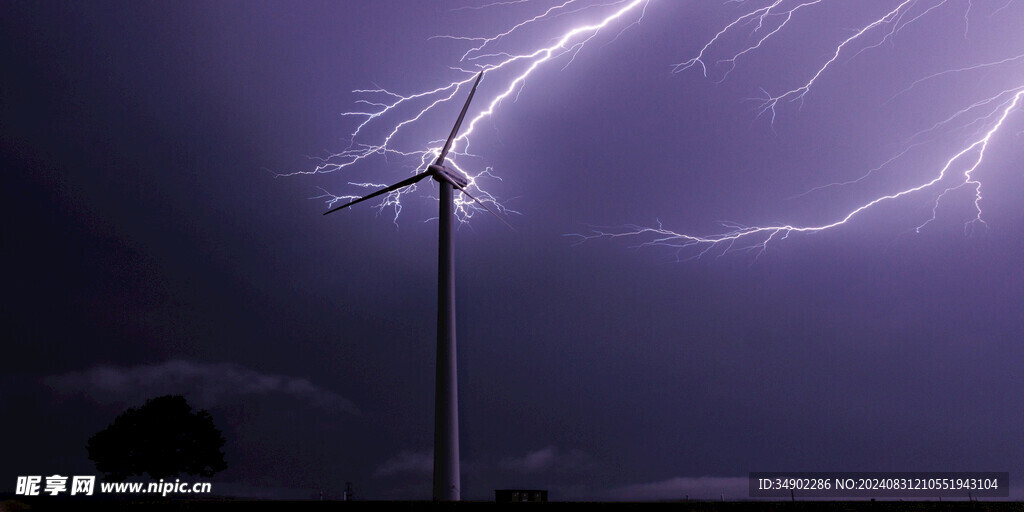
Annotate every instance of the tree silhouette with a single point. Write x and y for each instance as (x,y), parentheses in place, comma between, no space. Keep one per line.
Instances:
(163,438)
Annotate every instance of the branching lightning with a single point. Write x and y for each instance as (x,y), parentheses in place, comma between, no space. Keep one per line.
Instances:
(756,23)
(757,238)
(987,116)
(518,67)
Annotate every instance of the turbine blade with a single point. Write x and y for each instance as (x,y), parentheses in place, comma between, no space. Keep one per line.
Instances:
(455,130)
(396,186)
(463,190)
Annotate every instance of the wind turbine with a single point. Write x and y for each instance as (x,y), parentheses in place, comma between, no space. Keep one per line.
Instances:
(446,408)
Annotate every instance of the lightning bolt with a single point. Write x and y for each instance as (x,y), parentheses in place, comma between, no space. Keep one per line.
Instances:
(409,109)
(757,238)
(755,23)
(956,172)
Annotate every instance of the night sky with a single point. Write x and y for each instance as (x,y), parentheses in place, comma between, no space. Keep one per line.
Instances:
(151,248)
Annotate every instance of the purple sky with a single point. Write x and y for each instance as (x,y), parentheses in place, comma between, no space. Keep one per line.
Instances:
(151,250)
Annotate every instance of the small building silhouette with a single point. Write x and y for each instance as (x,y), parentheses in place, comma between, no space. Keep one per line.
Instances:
(520,495)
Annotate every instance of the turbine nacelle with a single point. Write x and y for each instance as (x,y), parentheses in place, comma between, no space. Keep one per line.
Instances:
(442,173)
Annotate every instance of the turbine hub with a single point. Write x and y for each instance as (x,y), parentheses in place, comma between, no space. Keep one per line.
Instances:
(442,173)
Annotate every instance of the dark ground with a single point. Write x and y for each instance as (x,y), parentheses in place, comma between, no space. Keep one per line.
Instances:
(44,504)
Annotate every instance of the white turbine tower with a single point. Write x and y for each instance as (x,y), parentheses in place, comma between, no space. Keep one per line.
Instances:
(446,406)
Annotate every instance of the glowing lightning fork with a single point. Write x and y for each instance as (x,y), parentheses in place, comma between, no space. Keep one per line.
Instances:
(758,237)
(763,21)
(521,65)
(969,157)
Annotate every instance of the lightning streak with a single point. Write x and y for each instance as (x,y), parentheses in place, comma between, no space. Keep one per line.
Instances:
(516,67)
(758,237)
(891,18)
(509,66)
(957,172)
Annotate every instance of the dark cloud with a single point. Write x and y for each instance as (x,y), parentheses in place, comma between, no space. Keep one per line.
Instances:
(678,488)
(209,384)
(549,460)
(418,463)
(532,462)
